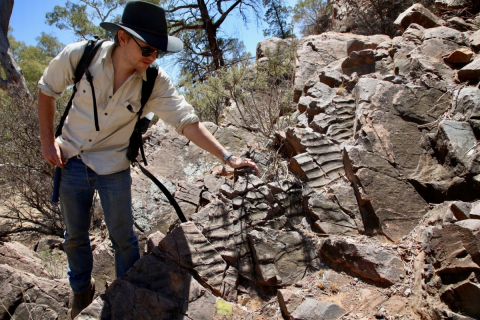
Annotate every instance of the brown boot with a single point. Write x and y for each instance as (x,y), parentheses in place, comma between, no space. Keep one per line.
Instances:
(83,300)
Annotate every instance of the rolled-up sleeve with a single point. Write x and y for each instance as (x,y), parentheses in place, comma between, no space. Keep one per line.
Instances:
(169,105)
(60,72)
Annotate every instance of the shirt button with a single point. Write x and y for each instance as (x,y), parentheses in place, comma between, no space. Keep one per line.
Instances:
(89,140)
(110,97)
(84,91)
(106,114)
(81,151)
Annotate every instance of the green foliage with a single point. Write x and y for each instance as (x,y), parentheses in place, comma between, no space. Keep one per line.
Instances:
(259,95)
(53,262)
(276,18)
(195,59)
(34,59)
(83,18)
(307,15)
(207,97)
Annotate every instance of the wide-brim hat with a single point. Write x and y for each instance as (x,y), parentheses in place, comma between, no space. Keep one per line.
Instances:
(148,23)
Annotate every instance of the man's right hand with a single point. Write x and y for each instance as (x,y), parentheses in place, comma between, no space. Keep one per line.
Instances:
(53,155)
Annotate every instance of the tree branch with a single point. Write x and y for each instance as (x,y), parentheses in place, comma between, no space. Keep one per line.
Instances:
(192,6)
(225,14)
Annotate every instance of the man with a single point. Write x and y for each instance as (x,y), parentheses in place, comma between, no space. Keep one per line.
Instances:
(96,159)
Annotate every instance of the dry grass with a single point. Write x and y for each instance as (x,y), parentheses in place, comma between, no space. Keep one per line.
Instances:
(321,285)
(334,288)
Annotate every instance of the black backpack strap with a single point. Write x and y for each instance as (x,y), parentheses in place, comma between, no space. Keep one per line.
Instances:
(89,53)
(136,143)
(165,191)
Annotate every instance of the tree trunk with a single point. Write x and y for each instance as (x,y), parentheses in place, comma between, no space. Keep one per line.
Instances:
(14,83)
(211,32)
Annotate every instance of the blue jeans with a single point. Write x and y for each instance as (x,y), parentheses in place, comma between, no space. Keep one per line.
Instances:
(77,187)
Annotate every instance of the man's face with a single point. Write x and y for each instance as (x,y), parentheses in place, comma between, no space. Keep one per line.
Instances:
(133,52)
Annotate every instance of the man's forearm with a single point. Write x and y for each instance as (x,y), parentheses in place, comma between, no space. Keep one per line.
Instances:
(198,134)
(46,114)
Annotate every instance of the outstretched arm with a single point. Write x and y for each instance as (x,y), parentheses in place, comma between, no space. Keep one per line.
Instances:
(50,149)
(198,134)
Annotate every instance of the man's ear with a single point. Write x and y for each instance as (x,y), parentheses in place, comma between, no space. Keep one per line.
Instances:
(123,37)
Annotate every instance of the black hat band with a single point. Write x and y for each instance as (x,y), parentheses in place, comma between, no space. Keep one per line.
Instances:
(144,30)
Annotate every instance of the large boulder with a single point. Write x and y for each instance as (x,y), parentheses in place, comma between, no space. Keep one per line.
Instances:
(272,46)
(21,258)
(26,296)
(370,262)
(446,33)
(281,258)
(418,14)
(390,206)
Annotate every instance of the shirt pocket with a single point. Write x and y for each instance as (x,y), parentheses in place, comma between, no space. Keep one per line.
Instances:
(84,93)
(133,106)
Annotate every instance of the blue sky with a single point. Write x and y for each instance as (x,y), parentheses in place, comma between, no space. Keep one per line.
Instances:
(28,21)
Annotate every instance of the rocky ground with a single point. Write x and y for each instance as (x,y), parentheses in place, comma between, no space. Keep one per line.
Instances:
(378,218)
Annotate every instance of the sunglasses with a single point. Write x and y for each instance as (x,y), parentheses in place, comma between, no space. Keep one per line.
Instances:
(147,51)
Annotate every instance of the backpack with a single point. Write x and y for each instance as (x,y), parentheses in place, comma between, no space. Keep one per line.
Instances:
(136,142)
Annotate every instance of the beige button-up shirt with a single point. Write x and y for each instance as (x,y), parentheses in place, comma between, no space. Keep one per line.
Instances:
(105,151)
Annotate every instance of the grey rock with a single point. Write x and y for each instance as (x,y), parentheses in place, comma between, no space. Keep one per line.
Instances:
(453,141)
(368,262)
(329,218)
(281,258)
(467,102)
(475,39)
(331,78)
(153,240)
(461,210)
(385,200)
(312,309)
(446,34)
(320,165)
(471,72)
(414,33)
(22,258)
(272,46)
(448,5)
(460,24)
(420,104)
(418,14)
(288,302)
(22,291)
